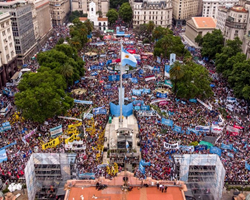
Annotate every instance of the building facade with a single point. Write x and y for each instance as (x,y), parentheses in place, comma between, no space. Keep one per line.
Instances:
(7,49)
(160,12)
(236,23)
(221,18)
(22,27)
(199,26)
(210,7)
(41,21)
(59,10)
(99,22)
(102,6)
(246,37)
(185,9)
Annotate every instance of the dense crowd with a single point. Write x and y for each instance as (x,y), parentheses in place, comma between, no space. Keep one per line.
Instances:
(152,132)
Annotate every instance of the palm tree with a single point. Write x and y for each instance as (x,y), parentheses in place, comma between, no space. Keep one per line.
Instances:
(67,71)
(176,73)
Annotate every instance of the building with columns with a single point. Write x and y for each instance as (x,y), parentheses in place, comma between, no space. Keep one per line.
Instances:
(210,7)
(102,6)
(8,64)
(160,12)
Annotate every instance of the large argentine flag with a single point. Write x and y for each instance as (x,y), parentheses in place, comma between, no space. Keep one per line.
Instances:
(128,59)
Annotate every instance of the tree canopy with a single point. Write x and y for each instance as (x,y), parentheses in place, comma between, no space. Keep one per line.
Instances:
(42,96)
(211,43)
(125,12)
(59,57)
(112,16)
(193,81)
(117,3)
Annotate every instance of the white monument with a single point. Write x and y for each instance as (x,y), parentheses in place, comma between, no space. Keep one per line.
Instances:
(172,58)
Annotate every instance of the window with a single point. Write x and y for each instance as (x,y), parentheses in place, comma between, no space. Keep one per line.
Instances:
(2,25)
(92,9)
(6,48)
(7,56)
(3,33)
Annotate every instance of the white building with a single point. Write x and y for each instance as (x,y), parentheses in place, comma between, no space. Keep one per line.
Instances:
(99,22)
(160,12)
(210,7)
(7,49)
(221,17)
(84,6)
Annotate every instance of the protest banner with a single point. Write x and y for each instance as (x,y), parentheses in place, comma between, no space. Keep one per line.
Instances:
(51,144)
(72,138)
(56,131)
(171,146)
(75,125)
(29,134)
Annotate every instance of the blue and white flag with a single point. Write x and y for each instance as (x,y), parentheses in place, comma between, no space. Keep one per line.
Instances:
(6,126)
(99,111)
(247,166)
(141,168)
(3,156)
(128,59)
(231,155)
(127,144)
(146,91)
(143,163)
(226,146)
(83,102)
(167,122)
(145,107)
(134,80)
(56,131)
(215,150)
(177,129)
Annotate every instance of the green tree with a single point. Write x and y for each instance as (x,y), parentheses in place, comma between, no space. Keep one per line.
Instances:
(230,50)
(42,96)
(176,73)
(239,79)
(89,25)
(159,32)
(67,71)
(195,83)
(117,3)
(112,15)
(125,12)
(199,39)
(99,13)
(212,43)
(60,41)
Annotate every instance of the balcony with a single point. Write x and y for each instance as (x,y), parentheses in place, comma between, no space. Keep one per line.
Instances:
(235,25)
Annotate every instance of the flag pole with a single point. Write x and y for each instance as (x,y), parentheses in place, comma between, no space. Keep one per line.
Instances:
(121,121)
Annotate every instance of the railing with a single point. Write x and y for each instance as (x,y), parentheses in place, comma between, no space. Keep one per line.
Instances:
(246,183)
(236,25)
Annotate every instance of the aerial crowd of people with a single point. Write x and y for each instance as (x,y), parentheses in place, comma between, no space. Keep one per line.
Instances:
(152,132)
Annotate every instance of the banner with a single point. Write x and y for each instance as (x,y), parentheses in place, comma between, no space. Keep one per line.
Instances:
(107,93)
(114,77)
(146,91)
(56,131)
(96,67)
(143,163)
(148,78)
(167,122)
(6,126)
(136,92)
(171,146)
(208,144)
(161,95)
(231,155)
(136,102)
(247,166)
(141,168)
(70,118)
(51,144)
(226,146)
(167,70)
(72,138)
(204,104)
(3,155)
(189,130)
(127,76)
(234,131)
(177,129)
(200,147)
(216,129)
(108,86)
(145,107)
(74,125)
(9,145)
(187,148)
(29,134)
(158,59)
(156,69)
(86,175)
(215,150)
(99,111)
(168,83)
(202,128)
(134,80)
(83,102)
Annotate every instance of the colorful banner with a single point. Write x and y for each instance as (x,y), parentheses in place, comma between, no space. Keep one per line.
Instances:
(143,163)
(189,130)
(127,76)
(177,129)
(74,125)
(56,131)
(233,130)
(208,144)
(82,101)
(9,145)
(171,146)
(161,95)
(168,83)
(141,168)
(145,107)
(3,155)
(149,78)
(187,148)
(114,77)
(51,144)
(134,80)
(6,126)
(216,129)
(72,138)
(204,104)
(29,134)
(202,128)
(200,148)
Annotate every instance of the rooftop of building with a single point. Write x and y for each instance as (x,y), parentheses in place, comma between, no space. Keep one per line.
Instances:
(204,22)
(102,19)
(238,8)
(82,19)
(10,3)
(86,188)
